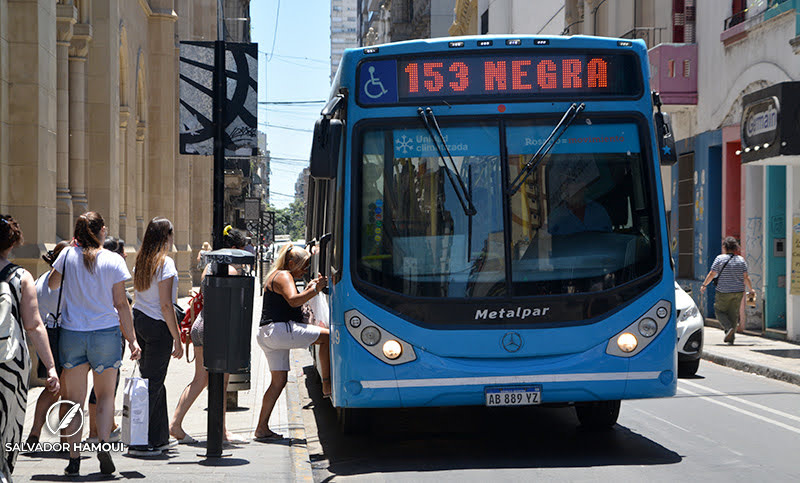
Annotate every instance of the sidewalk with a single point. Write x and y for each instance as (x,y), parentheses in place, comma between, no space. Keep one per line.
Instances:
(771,358)
(283,460)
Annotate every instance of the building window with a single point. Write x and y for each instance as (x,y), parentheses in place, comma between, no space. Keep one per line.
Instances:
(485,22)
(686,216)
(687,68)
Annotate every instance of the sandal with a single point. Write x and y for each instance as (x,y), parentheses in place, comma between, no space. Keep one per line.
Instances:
(271,436)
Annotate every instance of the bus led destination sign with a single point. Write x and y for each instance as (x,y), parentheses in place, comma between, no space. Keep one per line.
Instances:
(469,78)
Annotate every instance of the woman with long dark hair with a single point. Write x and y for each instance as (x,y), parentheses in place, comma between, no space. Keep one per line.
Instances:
(19,298)
(93,310)
(155,281)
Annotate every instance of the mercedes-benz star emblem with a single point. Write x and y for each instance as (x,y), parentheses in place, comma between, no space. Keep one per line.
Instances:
(512,341)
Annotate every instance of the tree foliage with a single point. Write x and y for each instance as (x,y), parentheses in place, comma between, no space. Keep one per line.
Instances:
(291,220)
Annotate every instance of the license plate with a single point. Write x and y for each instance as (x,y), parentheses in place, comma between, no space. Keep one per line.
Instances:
(513,396)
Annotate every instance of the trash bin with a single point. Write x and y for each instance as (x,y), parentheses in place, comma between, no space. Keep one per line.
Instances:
(227,312)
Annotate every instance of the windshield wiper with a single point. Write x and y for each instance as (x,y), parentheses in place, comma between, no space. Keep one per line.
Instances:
(537,158)
(458,183)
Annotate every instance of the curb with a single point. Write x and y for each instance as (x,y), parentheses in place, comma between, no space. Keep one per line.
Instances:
(759,369)
(301,461)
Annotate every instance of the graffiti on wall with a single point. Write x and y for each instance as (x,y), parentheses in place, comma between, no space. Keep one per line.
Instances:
(754,254)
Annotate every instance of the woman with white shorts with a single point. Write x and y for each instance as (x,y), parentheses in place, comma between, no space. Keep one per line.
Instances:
(282,328)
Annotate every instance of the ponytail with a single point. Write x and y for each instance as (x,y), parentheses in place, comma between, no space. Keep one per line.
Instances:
(87,233)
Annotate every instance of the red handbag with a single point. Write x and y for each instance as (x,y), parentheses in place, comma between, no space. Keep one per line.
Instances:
(195,306)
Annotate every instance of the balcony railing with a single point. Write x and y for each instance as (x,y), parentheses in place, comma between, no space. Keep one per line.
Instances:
(756,9)
(651,35)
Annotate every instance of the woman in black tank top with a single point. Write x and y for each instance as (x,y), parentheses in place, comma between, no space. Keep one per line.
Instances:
(282,328)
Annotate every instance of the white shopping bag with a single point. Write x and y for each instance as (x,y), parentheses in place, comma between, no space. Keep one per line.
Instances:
(319,307)
(135,412)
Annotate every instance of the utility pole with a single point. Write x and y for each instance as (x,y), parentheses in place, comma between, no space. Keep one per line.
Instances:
(216,380)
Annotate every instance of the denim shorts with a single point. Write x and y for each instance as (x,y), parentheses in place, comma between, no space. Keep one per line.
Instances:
(100,348)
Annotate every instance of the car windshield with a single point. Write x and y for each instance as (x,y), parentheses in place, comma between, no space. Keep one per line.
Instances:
(582,221)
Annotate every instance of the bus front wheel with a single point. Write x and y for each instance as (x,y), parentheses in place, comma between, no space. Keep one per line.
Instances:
(352,420)
(598,414)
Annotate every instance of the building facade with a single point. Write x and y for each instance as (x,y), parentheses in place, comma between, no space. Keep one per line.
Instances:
(344,30)
(88,121)
(746,53)
(544,17)
(383,21)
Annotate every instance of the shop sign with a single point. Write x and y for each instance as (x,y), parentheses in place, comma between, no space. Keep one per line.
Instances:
(760,124)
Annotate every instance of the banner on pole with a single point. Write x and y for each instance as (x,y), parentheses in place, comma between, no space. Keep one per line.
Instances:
(252,209)
(196,130)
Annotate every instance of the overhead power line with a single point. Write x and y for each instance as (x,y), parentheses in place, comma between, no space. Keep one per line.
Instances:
(288,128)
(282,103)
(275,33)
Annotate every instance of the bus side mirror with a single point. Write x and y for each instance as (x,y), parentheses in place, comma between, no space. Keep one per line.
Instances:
(325,148)
(666,141)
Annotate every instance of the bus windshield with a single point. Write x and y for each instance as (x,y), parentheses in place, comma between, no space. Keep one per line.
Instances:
(582,221)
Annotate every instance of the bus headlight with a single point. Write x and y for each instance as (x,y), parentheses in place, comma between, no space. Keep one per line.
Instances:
(640,333)
(648,327)
(376,340)
(627,342)
(392,349)
(370,336)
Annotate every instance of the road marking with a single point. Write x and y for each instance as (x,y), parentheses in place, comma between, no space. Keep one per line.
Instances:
(651,415)
(744,401)
(739,410)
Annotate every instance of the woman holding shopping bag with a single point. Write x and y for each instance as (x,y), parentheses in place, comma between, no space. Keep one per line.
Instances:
(94,309)
(155,281)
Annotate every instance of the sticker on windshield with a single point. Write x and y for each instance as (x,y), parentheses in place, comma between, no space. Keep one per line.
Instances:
(461,141)
(602,138)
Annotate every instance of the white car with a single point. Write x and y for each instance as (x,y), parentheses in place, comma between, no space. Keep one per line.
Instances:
(690,333)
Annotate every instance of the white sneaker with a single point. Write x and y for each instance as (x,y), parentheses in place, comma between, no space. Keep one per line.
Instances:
(144,451)
(92,440)
(172,443)
(115,435)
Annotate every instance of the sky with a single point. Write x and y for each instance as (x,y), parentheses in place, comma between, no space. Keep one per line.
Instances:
(298,70)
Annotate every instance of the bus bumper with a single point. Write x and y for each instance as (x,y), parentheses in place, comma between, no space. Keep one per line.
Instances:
(433,380)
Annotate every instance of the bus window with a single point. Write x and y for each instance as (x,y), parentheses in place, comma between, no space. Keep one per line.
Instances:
(415,238)
(582,222)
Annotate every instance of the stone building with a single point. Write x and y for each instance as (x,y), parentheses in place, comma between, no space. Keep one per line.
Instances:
(88,121)
(382,21)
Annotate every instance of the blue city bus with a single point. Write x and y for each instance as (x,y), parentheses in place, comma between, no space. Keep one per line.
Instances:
(490,215)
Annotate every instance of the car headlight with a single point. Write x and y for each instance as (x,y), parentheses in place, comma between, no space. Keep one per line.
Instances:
(688,313)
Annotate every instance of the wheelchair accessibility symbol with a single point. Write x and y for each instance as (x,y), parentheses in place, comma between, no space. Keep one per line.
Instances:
(373,88)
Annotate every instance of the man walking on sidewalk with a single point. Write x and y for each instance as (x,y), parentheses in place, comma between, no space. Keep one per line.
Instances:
(729,274)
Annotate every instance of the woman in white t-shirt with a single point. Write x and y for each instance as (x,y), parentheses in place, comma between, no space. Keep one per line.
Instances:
(48,308)
(155,282)
(93,310)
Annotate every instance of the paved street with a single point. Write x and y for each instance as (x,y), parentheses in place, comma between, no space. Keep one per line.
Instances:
(723,425)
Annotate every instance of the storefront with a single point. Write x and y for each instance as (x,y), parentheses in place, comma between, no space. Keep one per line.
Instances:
(770,152)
